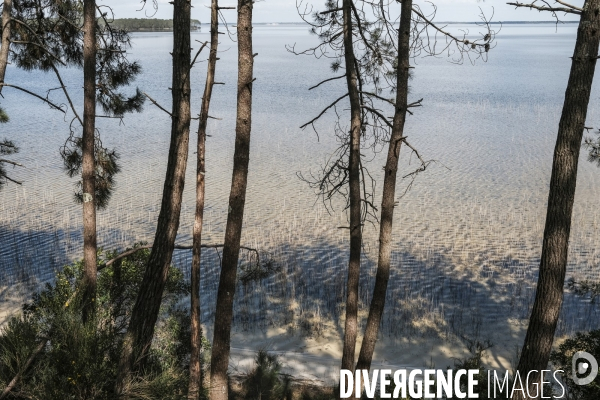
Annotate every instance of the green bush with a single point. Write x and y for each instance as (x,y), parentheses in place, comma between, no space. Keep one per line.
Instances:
(561,359)
(478,350)
(265,381)
(79,361)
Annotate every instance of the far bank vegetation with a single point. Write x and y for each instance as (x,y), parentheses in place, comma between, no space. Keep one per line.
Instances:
(148,24)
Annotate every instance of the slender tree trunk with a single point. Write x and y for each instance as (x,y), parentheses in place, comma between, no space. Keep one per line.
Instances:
(549,293)
(389,191)
(89,162)
(195,367)
(147,306)
(237,198)
(351,325)
(5,35)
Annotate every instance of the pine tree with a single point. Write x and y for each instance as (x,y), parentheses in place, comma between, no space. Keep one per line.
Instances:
(48,33)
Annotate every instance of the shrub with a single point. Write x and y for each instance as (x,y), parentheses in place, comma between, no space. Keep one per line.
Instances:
(478,350)
(265,381)
(561,359)
(59,357)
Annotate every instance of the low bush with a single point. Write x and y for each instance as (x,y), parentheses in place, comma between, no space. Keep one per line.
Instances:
(265,381)
(54,355)
(562,359)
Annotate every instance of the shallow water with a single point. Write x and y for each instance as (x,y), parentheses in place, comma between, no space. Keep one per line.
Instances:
(468,233)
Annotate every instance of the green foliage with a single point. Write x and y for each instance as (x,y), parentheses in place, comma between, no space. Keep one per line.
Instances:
(475,361)
(594,148)
(265,381)
(585,288)
(3,116)
(6,148)
(47,34)
(80,361)
(146,24)
(562,358)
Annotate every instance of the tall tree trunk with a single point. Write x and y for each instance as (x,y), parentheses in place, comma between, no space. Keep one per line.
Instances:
(351,325)
(549,293)
(5,36)
(237,198)
(147,305)
(389,191)
(89,163)
(195,367)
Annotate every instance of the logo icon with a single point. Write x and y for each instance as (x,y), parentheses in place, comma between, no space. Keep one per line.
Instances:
(590,365)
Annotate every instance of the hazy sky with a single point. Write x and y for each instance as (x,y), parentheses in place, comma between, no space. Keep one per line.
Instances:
(285,10)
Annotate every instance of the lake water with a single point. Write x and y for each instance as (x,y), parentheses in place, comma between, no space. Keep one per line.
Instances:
(467,235)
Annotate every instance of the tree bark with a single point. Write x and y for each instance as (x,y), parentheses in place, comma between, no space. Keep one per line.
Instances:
(351,324)
(145,311)
(88,159)
(195,367)
(389,191)
(237,198)
(549,293)
(5,35)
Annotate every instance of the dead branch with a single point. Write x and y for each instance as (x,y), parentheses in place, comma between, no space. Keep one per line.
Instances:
(333,10)
(326,80)
(157,105)
(51,104)
(197,54)
(312,121)
(379,97)
(64,89)
(379,114)
(569,9)
(2,160)
(12,180)
(178,247)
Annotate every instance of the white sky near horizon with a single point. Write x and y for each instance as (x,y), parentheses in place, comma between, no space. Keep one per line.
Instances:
(285,10)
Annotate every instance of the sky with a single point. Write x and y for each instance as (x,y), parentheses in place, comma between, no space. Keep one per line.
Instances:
(285,10)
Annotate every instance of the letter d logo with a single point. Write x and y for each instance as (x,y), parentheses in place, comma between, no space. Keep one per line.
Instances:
(590,365)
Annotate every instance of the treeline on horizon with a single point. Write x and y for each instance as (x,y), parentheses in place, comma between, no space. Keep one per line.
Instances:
(148,24)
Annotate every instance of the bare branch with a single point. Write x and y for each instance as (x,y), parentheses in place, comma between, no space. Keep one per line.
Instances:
(333,10)
(157,105)
(380,97)
(326,80)
(12,180)
(564,3)
(3,160)
(324,111)
(66,93)
(178,247)
(379,114)
(532,5)
(51,104)
(197,54)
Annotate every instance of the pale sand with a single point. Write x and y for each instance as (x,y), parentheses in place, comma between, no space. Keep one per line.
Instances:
(318,359)
(11,301)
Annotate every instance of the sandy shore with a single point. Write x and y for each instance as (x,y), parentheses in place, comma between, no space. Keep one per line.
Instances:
(318,358)
(11,301)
